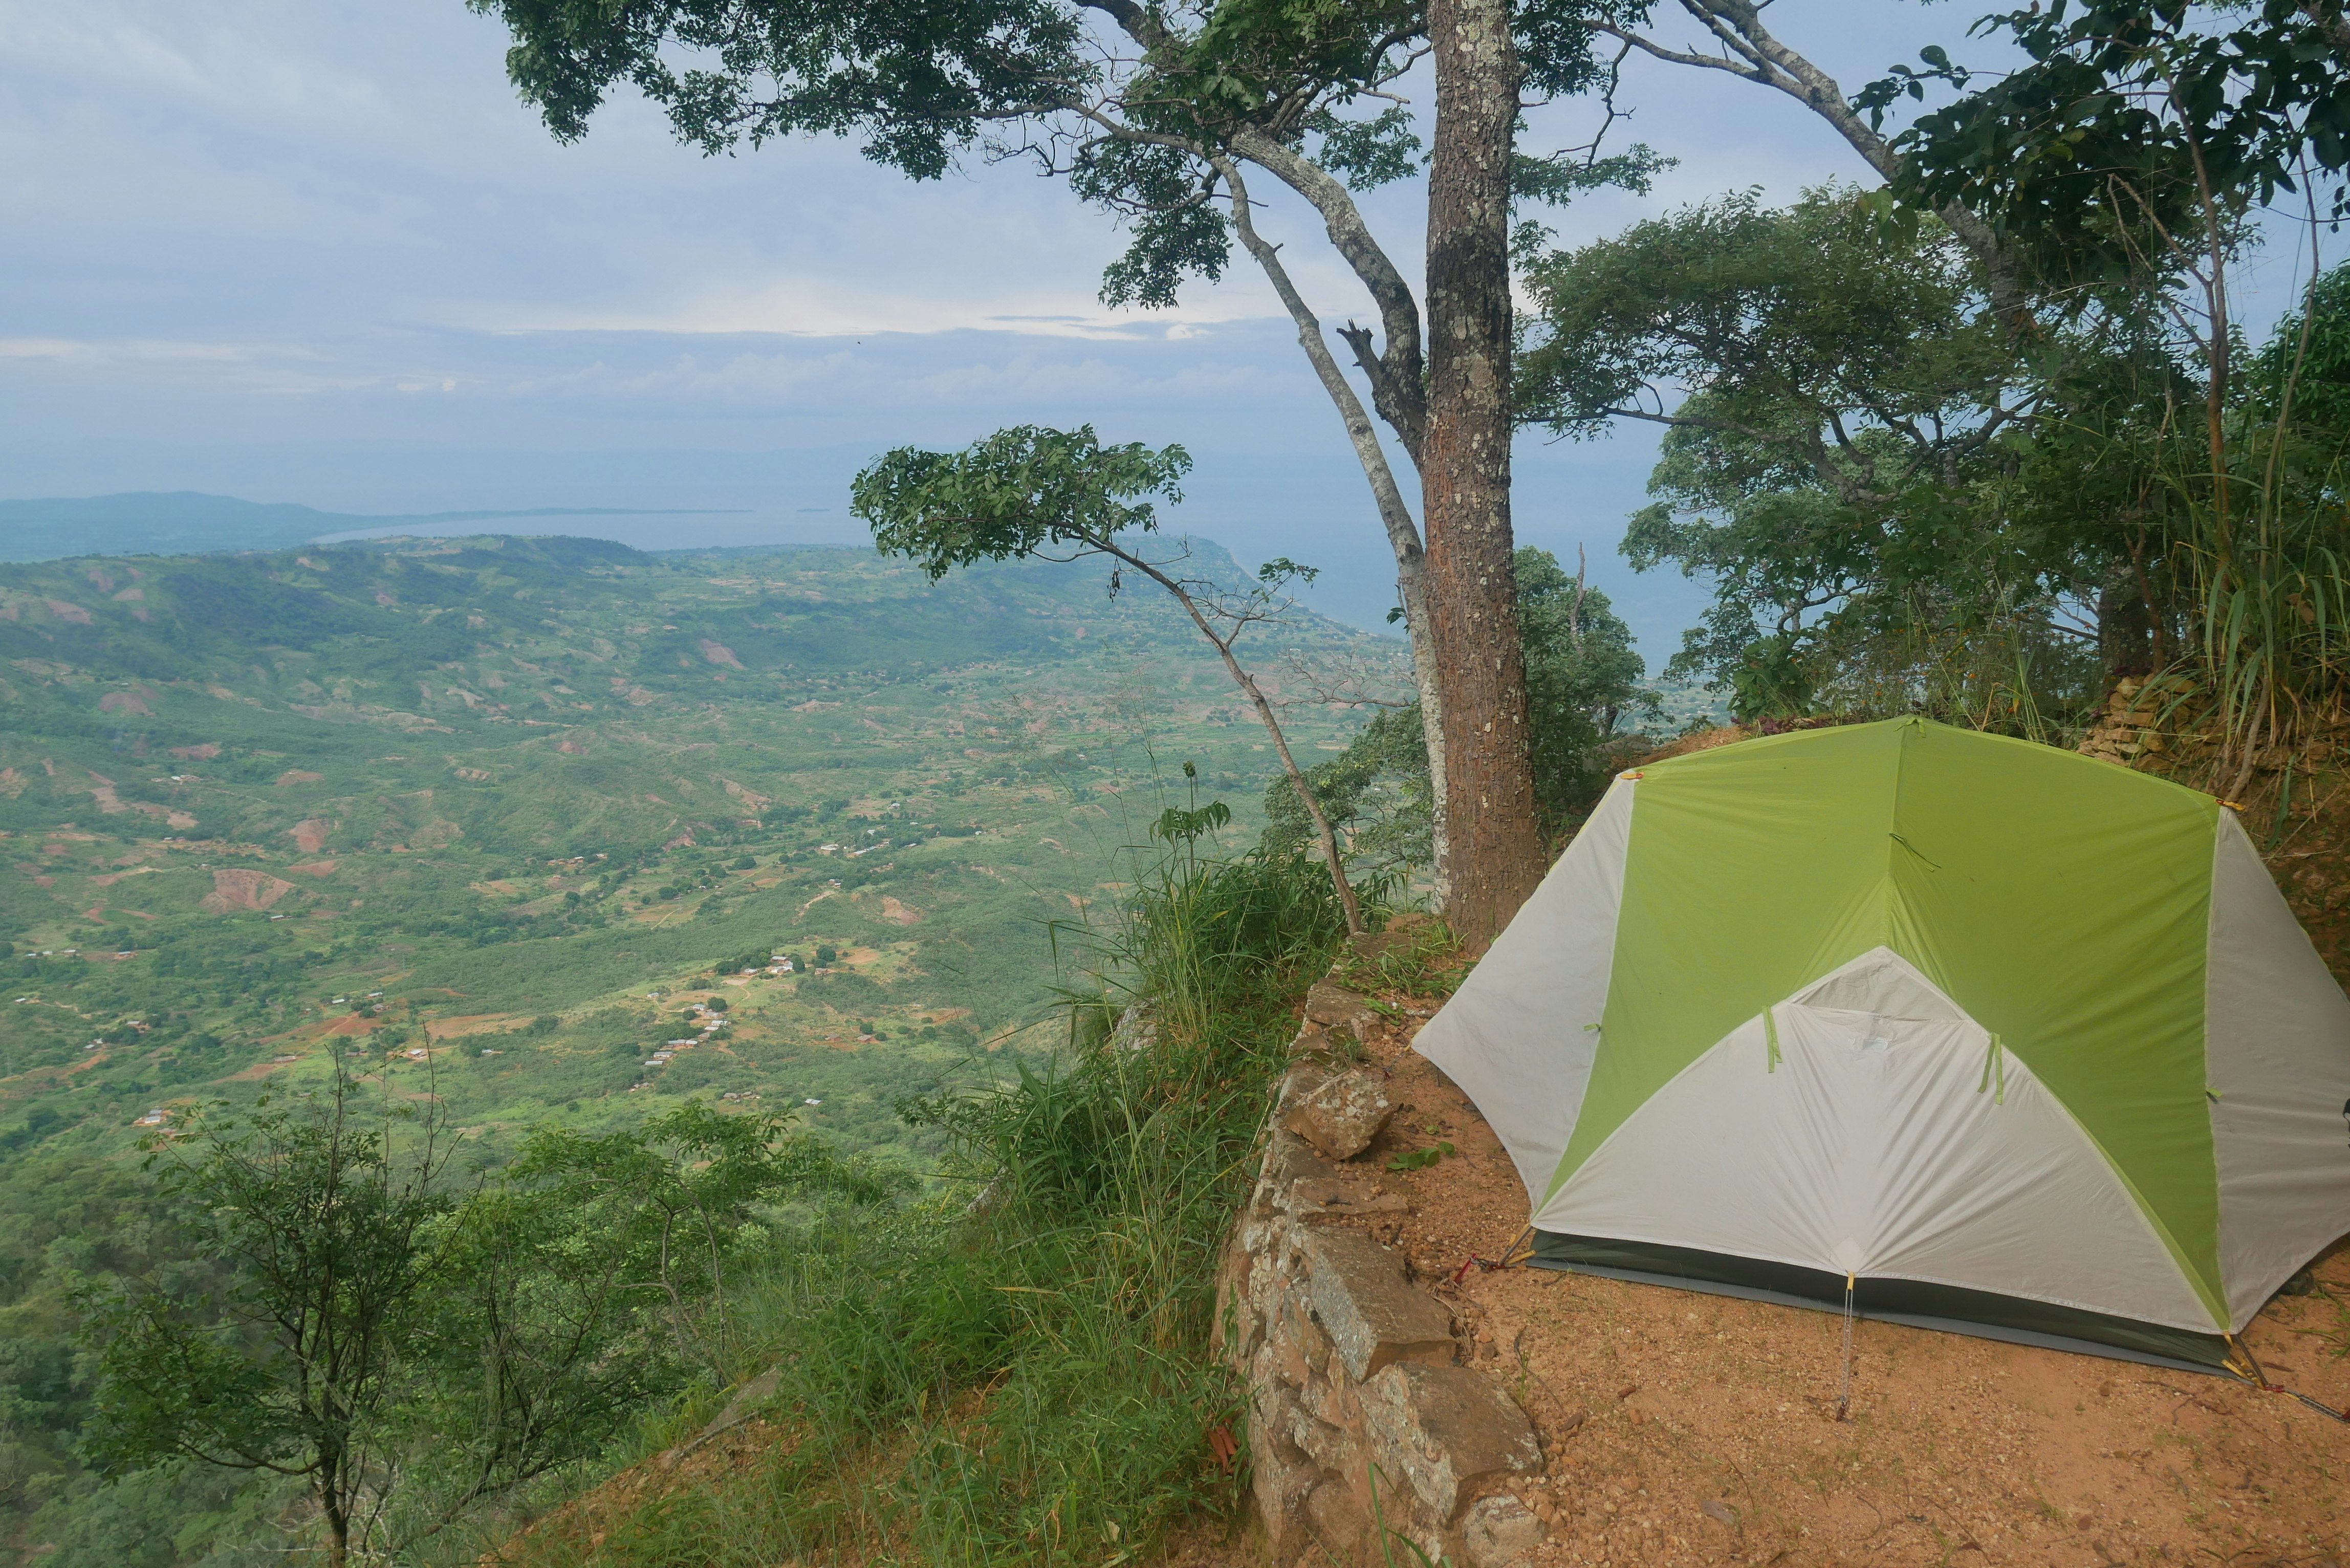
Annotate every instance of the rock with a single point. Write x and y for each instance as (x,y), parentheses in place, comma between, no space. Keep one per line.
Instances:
(1282,1355)
(1342,1114)
(1445,1431)
(1337,1519)
(1331,1400)
(1313,1200)
(1400,932)
(1311,1341)
(1323,1443)
(1330,1005)
(1137,1029)
(1497,1531)
(1372,1315)
(747,1398)
(1233,1335)
(1290,1158)
(1279,1474)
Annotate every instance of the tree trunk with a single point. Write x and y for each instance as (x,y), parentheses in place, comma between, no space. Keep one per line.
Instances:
(1493,846)
(338,1525)
(1403,534)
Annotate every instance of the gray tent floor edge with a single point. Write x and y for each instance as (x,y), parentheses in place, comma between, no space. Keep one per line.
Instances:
(1981,1314)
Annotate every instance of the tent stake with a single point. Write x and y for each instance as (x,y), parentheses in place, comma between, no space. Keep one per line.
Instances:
(1844,1389)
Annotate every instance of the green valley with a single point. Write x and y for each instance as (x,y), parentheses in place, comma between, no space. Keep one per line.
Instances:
(492,808)
(548,830)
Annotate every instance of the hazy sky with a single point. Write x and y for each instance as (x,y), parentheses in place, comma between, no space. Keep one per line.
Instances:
(319,253)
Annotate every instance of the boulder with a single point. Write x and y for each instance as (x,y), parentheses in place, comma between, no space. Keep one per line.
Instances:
(1372,1315)
(1446,1432)
(1341,1115)
(1289,1158)
(1323,1443)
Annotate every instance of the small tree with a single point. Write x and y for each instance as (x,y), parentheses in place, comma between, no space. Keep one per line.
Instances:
(411,1353)
(664,1208)
(1030,492)
(319,1210)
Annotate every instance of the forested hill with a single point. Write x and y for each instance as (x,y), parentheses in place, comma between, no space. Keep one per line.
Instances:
(178,521)
(489,813)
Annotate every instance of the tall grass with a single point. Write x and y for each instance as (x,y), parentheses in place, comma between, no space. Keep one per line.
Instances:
(2270,590)
(1015,1372)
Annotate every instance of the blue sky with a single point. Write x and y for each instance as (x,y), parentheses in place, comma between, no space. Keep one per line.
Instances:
(318,253)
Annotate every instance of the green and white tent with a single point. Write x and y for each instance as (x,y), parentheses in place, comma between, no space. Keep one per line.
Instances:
(2005,1039)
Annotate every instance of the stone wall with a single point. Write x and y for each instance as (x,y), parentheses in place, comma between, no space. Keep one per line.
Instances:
(1362,1415)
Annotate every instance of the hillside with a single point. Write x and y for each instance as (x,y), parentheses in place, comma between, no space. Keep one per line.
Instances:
(164,521)
(489,813)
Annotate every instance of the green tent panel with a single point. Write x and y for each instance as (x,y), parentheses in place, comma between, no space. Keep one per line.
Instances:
(2002,1037)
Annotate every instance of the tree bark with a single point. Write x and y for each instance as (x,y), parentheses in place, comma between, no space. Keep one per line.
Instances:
(1494,846)
(1403,533)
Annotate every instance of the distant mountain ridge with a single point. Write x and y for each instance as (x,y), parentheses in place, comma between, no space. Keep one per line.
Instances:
(169,521)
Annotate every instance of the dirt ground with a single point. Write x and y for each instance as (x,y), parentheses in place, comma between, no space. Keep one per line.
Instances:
(1682,1427)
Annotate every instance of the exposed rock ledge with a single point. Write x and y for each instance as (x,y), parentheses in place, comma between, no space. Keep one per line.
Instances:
(1361,1416)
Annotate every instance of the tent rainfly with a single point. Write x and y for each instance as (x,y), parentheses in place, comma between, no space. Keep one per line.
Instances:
(1983,1035)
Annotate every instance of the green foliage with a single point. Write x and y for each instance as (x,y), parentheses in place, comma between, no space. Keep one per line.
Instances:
(917,81)
(1583,686)
(1420,1158)
(2301,377)
(656,1216)
(1840,467)
(1175,235)
(1375,793)
(1020,492)
(1368,153)
(1419,960)
(1136,130)
(1178,825)
(408,1352)
(2131,115)
(1782,325)
(968,723)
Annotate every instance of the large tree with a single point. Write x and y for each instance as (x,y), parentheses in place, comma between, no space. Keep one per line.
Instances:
(1838,398)
(1494,846)
(1157,113)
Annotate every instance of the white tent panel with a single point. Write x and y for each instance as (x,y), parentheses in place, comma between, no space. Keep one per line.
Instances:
(1885,1146)
(2277,1057)
(1519,1033)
